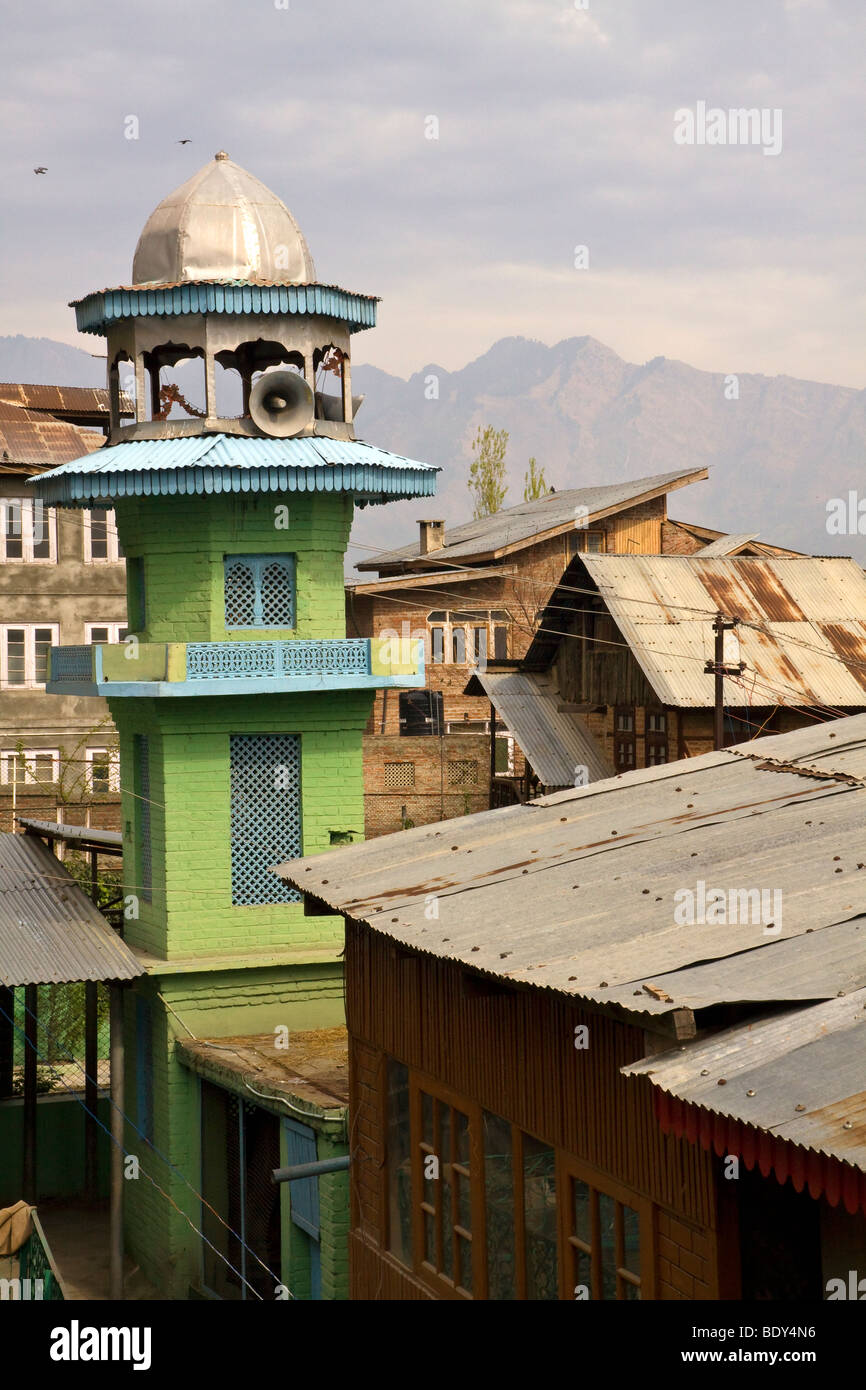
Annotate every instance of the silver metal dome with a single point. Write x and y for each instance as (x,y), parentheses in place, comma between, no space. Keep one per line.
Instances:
(222,224)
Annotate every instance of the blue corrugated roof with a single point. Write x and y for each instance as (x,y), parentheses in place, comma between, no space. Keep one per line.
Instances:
(215,463)
(96,311)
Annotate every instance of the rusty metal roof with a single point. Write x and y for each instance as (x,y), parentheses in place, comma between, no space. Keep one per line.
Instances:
(50,931)
(527,521)
(799,1076)
(62,401)
(802,630)
(557,742)
(30,438)
(578,892)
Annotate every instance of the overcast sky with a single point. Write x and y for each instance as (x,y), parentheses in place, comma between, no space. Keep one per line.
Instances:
(556,130)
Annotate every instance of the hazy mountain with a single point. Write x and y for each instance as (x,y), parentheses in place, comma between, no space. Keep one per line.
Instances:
(777,453)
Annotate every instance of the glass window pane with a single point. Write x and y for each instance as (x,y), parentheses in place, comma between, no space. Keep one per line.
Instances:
(464,1269)
(539,1219)
(608,1245)
(458,646)
(438,644)
(631,1240)
(41,523)
(499,1206)
(42,767)
(99,533)
(12,529)
(399,1164)
(464,1201)
(582,1210)
(427,1118)
(582,1276)
(461,1142)
(479,643)
(15,656)
(500,643)
(43,639)
(99,634)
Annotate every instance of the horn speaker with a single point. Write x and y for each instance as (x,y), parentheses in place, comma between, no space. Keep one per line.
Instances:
(281,404)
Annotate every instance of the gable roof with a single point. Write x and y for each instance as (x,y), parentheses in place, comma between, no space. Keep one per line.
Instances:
(802,631)
(556,741)
(577,892)
(528,522)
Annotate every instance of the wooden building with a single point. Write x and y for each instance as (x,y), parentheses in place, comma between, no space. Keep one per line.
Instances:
(473,594)
(563,1088)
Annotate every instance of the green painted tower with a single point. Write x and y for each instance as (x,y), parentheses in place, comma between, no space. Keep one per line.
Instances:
(240,706)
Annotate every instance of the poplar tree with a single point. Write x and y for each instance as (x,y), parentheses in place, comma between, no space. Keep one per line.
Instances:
(487,471)
(534,483)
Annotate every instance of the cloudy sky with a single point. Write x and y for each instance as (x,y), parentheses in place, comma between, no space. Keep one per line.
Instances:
(555,130)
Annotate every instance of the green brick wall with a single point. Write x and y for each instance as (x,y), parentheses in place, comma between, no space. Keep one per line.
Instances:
(191,909)
(183,542)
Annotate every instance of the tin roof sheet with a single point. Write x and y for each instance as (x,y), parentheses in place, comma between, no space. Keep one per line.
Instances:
(728,545)
(237,463)
(800,1076)
(62,400)
(802,631)
(37,440)
(556,742)
(519,525)
(50,931)
(581,891)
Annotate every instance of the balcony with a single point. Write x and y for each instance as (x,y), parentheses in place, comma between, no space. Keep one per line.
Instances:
(177,669)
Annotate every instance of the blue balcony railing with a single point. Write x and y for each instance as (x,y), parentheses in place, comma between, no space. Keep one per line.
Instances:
(339,656)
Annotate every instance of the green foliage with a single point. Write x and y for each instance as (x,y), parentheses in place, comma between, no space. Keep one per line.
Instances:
(487,471)
(534,483)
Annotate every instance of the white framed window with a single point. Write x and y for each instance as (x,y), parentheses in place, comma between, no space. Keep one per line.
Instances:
(467,638)
(105,632)
(103,770)
(100,537)
(24,654)
(28,531)
(29,766)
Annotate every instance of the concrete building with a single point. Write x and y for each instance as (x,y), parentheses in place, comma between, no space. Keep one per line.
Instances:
(61,580)
(240,705)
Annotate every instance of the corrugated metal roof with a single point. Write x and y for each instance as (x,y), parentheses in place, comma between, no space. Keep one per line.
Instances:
(519,524)
(809,647)
(237,463)
(96,311)
(28,437)
(50,931)
(800,1076)
(727,545)
(555,741)
(74,834)
(578,892)
(62,400)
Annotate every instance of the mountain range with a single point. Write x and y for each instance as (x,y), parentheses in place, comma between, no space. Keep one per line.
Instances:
(779,449)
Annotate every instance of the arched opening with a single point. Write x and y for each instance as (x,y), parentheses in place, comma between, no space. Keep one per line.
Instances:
(250,359)
(176,382)
(332,371)
(119,382)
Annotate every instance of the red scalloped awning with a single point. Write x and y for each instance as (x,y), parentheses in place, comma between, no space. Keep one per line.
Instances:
(824,1175)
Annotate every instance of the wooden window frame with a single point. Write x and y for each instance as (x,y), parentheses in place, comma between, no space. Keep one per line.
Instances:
(624,738)
(656,738)
(112,546)
(114,632)
(599,1183)
(445,1287)
(25,508)
(29,629)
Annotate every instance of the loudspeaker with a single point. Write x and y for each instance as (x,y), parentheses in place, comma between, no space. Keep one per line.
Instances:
(331,407)
(281,404)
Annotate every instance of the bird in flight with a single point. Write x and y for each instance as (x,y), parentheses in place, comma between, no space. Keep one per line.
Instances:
(184,142)
(41,170)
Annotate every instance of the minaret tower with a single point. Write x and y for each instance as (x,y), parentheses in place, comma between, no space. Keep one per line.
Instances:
(239,701)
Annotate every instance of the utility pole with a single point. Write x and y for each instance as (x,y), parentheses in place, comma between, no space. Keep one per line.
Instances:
(723,664)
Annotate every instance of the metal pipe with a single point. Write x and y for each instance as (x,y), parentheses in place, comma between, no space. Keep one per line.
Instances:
(31,1005)
(116,1050)
(91,1090)
(295,1171)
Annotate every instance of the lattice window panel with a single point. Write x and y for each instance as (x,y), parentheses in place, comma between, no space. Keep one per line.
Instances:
(463,773)
(265,815)
(142,813)
(259,591)
(399,776)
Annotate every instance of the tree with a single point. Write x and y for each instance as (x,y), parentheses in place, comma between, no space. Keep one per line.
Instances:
(534,483)
(487,471)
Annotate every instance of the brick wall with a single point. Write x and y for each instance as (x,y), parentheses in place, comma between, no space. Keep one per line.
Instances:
(431,795)
(685,1259)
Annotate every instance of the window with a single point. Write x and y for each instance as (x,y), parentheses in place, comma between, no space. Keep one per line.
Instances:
(588,542)
(478,1208)
(656,737)
(462,773)
(623,738)
(105,632)
(265,815)
(28,766)
(504,753)
(399,775)
(141,753)
(103,771)
(465,637)
(24,654)
(604,1243)
(100,536)
(420,712)
(28,530)
(259,591)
